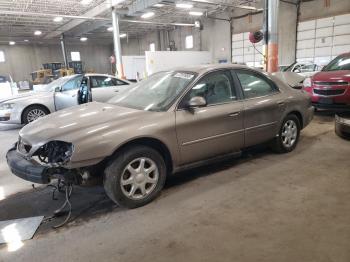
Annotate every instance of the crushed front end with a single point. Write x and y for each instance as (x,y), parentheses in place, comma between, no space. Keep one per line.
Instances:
(41,165)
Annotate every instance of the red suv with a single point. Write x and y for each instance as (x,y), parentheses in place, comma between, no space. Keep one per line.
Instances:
(330,88)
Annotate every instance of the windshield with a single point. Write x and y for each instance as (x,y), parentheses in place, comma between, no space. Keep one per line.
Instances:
(156,93)
(288,68)
(57,83)
(338,63)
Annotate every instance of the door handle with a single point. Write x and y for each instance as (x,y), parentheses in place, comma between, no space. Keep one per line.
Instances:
(281,103)
(234,114)
(116,91)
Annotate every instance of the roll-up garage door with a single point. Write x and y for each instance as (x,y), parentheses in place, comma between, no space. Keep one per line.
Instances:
(320,40)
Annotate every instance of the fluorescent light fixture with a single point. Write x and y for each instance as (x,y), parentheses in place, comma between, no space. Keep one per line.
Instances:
(184,5)
(158,5)
(83,39)
(85,2)
(12,43)
(122,35)
(110,29)
(196,13)
(37,32)
(147,15)
(247,7)
(58,19)
(26,40)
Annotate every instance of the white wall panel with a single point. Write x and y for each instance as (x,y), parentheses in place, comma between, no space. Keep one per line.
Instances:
(309,34)
(237,37)
(307,25)
(323,42)
(324,32)
(243,50)
(237,44)
(330,37)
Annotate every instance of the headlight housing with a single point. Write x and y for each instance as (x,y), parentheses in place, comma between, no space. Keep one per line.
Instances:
(6,106)
(55,153)
(307,82)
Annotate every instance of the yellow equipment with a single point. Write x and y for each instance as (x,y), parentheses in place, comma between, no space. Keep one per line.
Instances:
(63,72)
(42,76)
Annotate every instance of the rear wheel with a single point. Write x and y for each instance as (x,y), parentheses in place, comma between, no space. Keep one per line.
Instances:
(34,112)
(135,177)
(288,135)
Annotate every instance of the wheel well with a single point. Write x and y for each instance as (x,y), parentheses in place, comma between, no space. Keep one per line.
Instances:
(155,144)
(38,105)
(299,116)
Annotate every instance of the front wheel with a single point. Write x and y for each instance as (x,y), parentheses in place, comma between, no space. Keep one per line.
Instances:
(135,177)
(32,113)
(288,135)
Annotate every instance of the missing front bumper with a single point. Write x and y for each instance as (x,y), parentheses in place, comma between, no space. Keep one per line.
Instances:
(32,171)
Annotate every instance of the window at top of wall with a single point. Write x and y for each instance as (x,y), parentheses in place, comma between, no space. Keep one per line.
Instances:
(75,56)
(189,41)
(152,47)
(2,56)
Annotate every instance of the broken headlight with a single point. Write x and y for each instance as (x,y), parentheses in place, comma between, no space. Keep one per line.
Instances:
(55,152)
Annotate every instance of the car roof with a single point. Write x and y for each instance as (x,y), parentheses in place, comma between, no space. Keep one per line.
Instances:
(200,69)
(96,74)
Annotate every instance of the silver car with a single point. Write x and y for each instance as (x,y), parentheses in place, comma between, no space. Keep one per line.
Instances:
(57,95)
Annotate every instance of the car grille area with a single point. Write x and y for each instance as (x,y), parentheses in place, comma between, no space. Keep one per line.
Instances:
(23,147)
(329,92)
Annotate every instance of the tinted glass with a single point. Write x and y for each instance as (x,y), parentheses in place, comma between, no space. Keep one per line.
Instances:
(254,85)
(338,63)
(102,81)
(72,84)
(156,93)
(215,88)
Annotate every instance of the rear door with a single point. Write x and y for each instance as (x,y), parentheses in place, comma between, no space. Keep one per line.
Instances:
(263,106)
(105,87)
(215,129)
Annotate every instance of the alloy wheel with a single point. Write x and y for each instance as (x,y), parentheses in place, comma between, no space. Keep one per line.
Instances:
(289,133)
(139,178)
(34,114)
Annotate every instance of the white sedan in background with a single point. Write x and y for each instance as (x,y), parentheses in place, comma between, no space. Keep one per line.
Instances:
(57,95)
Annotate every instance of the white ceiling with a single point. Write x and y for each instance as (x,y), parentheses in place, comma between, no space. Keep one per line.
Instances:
(20,18)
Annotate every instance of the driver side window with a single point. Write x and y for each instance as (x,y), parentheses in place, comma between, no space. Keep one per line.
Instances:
(72,84)
(215,88)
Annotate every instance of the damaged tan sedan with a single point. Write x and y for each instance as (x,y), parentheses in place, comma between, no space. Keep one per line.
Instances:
(171,121)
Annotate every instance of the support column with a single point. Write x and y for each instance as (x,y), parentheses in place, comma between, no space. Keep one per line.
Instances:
(63,46)
(117,46)
(272,48)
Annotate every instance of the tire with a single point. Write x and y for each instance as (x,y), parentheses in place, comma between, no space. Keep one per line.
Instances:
(282,145)
(34,112)
(126,172)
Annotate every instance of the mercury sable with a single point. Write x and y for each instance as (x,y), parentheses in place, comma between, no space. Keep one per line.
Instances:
(171,121)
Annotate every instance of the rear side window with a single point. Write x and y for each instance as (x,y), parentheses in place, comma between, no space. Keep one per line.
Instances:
(254,85)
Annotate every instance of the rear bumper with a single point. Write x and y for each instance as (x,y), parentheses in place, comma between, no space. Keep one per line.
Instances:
(309,115)
(342,126)
(26,169)
(335,107)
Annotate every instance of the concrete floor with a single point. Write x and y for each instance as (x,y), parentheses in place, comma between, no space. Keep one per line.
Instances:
(260,207)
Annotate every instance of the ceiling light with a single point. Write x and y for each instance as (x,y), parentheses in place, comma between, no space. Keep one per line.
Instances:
(110,29)
(37,32)
(83,39)
(147,15)
(12,43)
(196,13)
(85,2)
(122,35)
(58,19)
(26,40)
(184,5)
(158,5)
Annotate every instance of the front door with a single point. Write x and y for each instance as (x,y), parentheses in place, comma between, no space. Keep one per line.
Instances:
(67,96)
(263,106)
(214,129)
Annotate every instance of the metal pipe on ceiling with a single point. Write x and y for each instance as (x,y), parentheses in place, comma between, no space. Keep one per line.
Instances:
(117,45)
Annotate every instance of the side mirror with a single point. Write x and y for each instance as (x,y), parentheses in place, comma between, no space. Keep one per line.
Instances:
(58,89)
(297,70)
(197,101)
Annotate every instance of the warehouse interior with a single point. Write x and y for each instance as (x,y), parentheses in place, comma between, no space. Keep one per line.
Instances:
(259,176)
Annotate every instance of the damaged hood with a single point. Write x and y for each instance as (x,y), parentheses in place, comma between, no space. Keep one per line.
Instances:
(290,78)
(75,123)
